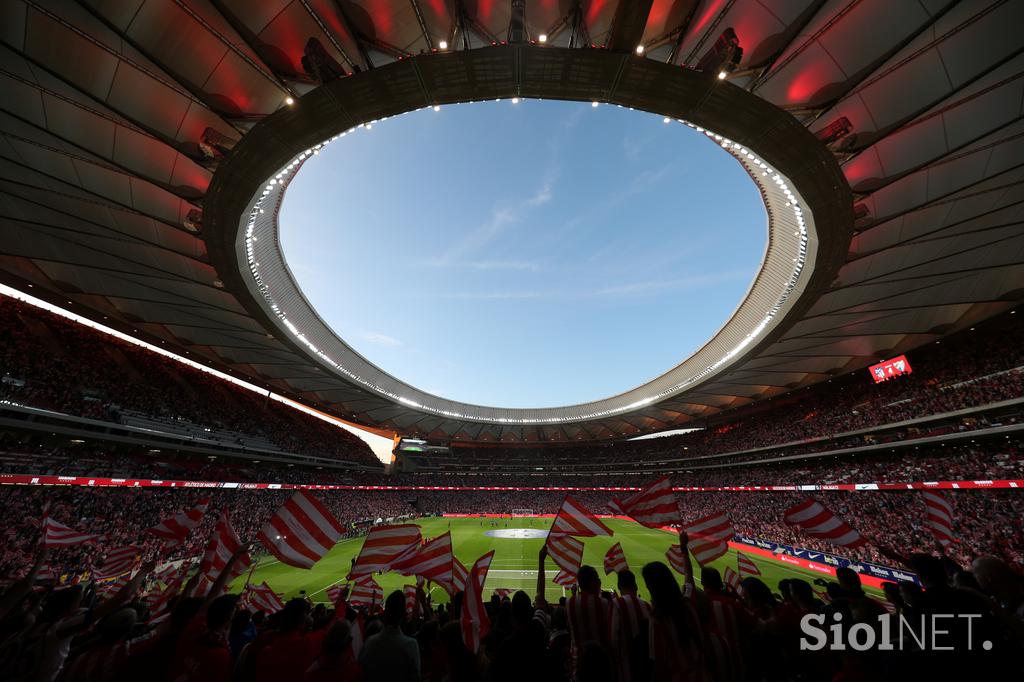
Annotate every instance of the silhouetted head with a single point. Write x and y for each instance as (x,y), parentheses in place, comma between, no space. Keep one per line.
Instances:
(589,580)
(711,579)
(627,582)
(220,611)
(394,609)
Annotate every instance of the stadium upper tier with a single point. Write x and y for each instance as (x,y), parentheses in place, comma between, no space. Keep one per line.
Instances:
(130,163)
(48,362)
(969,386)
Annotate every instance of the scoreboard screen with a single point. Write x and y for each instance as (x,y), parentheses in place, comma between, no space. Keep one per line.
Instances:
(419,445)
(888,369)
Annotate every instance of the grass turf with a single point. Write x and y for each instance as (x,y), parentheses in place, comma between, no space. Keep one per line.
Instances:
(515,559)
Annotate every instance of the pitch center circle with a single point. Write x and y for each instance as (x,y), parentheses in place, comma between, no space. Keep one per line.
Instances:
(517,533)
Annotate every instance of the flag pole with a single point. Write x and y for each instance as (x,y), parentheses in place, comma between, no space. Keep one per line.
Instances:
(252,568)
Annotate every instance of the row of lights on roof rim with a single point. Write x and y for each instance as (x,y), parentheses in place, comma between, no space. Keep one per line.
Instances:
(542,38)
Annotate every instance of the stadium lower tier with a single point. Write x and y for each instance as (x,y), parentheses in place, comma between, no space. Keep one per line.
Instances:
(740,615)
(988,522)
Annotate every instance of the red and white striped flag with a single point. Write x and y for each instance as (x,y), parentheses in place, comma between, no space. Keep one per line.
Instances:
(615,560)
(732,579)
(334,593)
(177,528)
(475,623)
(46,574)
(384,545)
(813,518)
(152,598)
(301,532)
(410,599)
(459,574)
(458,582)
(116,585)
(221,547)
(709,537)
(165,574)
(431,560)
(262,598)
(654,506)
(939,519)
(575,519)
(745,565)
(366,591)
(566,551)
(116,562)
(676,558)
(565,579)
(158,604)
(56,534)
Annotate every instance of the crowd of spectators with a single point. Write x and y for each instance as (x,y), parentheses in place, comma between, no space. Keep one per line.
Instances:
(602,631)
(53,363)
(971,369)
(996,458)
(49,362)
(988,521)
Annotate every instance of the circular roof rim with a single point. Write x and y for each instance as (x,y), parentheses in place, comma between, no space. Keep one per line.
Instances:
(612,77)
(287,177)
(270,270)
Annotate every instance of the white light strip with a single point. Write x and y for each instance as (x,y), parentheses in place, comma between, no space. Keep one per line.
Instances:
(760,172)
(373,440)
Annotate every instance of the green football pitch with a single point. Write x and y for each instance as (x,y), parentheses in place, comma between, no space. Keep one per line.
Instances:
(515,559)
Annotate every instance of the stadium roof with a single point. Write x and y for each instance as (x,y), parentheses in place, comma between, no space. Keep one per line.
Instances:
(120,192)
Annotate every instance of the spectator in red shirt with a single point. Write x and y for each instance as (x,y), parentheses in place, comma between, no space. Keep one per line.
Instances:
(336,663)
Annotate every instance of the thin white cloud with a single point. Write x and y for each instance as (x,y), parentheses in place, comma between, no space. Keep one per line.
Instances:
(381,339)
(642,288)
(490,295)
(502,217)
(543,196)
(487,264)
(680,283)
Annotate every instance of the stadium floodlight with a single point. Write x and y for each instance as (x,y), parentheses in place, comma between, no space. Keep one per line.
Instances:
(215,145)
(318,63)
(289,100)
(193,222)
(666,120)
(515,100)
(724,55)
(437,107)
(834,131)
(443,45)
(639,49)
(594,104)
(542,38)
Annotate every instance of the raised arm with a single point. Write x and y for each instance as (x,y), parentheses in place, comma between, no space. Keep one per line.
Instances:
(541,600)
(19,590)
(222,579)
(684,541)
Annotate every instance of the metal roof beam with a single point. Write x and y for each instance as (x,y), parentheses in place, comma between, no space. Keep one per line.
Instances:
(108,164)
(805,18)
(707,33)
(628,25)
(318,20)
(423,25)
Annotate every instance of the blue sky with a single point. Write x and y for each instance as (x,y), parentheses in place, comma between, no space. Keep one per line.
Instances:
(524,255)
